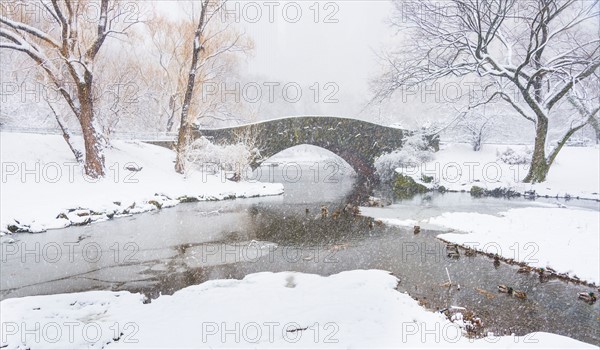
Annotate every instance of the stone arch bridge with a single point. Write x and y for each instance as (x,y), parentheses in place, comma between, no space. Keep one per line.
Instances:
(358,142)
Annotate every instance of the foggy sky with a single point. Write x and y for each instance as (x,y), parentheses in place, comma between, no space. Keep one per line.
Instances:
(326,42)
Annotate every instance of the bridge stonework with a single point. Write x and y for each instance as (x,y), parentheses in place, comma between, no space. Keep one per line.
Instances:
(358,142)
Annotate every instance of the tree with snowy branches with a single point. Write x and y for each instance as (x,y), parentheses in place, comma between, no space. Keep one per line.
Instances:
(64,39)
(210,40)
(540,57)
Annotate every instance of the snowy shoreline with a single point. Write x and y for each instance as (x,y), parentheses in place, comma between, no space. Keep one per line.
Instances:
(457,168)
(560,239)
(43,188)
(352,309)
(560,242)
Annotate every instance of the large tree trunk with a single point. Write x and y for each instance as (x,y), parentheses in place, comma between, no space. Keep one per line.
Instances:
(183,141)
(94,159)
(185,130)
(185,127)
(539,166)
(596,126)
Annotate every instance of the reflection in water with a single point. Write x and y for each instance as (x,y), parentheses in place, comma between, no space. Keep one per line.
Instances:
(184,245)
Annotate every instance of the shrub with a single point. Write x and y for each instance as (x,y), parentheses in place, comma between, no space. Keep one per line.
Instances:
(510,156)
(416,150)
(426,179)
(477,191)
(236,157)
(498,192)
(405,186)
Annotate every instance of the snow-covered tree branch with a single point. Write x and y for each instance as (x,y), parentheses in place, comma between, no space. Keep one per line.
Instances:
(209,42)
(530,55)
(65,43)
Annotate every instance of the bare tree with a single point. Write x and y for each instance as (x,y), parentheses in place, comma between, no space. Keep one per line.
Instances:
(540,57)
(64,39)
(475,127)
(118,97)
(171,41)
(211,40)
(165,76)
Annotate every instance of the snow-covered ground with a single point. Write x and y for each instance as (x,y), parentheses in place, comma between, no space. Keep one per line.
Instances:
(575,173)
(42,184)
(540,235)
(565,240)
(354,309)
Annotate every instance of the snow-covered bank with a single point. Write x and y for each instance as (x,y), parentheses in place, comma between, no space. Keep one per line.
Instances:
(354,309)
(43,187)
(537,234)
(565,240)
(457,167)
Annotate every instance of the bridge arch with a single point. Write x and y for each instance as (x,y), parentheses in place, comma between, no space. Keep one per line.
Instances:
(308,154)
(358,142)
(361,166)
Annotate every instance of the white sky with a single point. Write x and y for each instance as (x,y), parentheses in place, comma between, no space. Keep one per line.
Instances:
(293,48)
(307,52)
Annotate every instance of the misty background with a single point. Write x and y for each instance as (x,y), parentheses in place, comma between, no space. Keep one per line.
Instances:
(308,58)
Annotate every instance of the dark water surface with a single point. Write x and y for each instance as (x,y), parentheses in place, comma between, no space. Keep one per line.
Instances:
(161,252)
